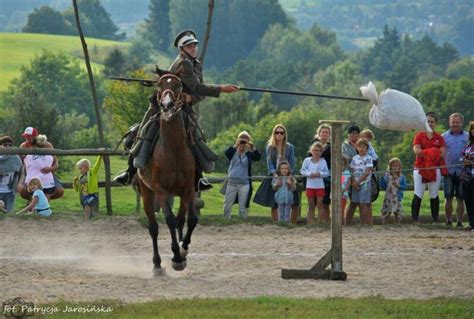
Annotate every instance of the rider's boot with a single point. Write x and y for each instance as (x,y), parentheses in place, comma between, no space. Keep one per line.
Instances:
(126,177)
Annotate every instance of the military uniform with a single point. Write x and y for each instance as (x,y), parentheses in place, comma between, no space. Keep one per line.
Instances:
(190,72)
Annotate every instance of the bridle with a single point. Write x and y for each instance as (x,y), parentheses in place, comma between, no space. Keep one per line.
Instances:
(169,96)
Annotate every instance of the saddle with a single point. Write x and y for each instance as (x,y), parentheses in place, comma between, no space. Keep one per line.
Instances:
(205,157)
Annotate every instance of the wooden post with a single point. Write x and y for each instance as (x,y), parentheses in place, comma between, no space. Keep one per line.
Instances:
(334,255)
(108,196)
(210,12)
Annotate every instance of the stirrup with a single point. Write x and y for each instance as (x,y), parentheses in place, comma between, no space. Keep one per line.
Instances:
(124,178)
(203,185)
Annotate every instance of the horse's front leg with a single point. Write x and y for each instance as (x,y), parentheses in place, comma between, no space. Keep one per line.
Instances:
(192,222)
(178,263)
(148,206)
(181,219)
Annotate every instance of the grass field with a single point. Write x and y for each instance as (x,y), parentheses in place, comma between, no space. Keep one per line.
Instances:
(124,198)
(278,307)
(17,49)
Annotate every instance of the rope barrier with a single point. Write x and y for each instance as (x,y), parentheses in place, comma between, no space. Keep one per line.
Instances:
(299,177)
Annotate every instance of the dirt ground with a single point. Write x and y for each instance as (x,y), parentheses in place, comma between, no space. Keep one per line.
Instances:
(47,260)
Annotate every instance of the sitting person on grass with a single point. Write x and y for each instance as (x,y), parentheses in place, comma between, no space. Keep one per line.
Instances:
(39,202)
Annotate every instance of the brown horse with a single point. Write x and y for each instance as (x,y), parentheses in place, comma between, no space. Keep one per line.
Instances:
(170,172)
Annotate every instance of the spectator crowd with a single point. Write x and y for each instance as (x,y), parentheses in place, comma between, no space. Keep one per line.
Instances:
(446,158)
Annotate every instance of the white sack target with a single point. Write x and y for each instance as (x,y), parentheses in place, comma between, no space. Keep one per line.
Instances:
(395,110)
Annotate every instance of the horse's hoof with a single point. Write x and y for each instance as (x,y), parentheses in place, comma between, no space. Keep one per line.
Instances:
(183,252)
(179,266)
(158,271)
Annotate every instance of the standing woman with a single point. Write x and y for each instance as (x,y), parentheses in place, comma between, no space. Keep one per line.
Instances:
(323,135)
(278,149)
(239,184)
(429,149)
(467,176)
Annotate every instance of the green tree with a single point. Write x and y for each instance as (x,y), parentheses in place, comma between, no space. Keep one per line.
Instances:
(95,20)
(60,80)
(219,114)
(463,67)
(157,28)
(115,63)
(264,107)
(381,58)
(237,25)
(448,96)
(126,103)
(46,20)
(29,108)
(287,59)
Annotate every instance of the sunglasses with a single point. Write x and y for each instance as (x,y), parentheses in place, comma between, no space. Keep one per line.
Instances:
(279,133)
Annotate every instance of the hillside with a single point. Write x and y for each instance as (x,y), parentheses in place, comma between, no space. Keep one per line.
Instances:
(17,49)
(358,22)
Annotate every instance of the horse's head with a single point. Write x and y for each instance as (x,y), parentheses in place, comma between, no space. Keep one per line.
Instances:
(169,95)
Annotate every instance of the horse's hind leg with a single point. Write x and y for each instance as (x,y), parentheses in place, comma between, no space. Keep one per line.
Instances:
(148,206)
(178,263)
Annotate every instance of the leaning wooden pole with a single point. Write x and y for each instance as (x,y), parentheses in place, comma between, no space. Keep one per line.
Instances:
(334,256)
(210,13)
(108,197)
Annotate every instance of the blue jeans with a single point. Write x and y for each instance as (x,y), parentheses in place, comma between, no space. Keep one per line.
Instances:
(9,199)
(284,211)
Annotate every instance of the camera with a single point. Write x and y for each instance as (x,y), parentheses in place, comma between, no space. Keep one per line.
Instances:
(242,142)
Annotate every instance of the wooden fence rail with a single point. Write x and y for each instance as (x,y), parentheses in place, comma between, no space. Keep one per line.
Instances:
(55,151)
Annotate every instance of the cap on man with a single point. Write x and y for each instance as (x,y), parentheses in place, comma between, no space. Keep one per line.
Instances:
(185,38)
(30,132)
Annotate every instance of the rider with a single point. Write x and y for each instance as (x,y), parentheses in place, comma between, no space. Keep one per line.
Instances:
(189,69)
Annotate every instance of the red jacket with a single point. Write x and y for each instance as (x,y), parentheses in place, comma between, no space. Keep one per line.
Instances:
(431,158)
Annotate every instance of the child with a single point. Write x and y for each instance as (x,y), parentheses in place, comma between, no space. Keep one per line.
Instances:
(361,166)
(394,183)
(285,185)
(345,183)
(88,186)
(369,136)
(315,169)
(39,202)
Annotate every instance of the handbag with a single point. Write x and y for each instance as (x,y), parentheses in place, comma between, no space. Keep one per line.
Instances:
(265,195)
(224,187)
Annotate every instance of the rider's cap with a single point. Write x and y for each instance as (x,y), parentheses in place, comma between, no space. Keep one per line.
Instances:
(184,38)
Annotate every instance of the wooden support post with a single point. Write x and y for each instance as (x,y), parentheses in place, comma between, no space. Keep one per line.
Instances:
(334,255)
